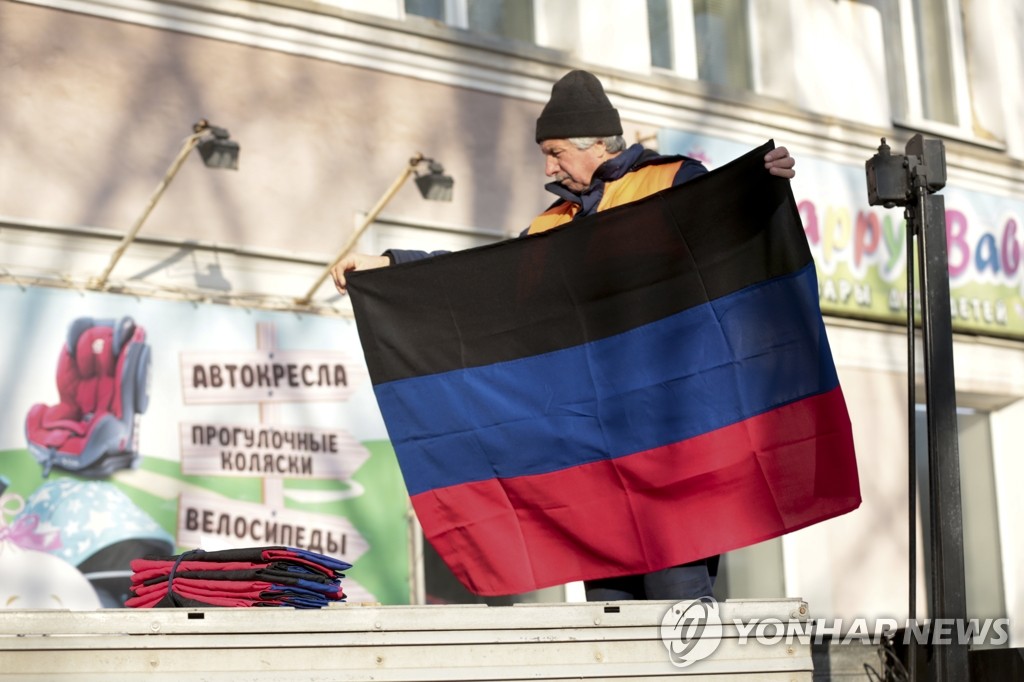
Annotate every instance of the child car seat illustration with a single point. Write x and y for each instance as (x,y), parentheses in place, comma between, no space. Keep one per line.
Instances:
(103,383)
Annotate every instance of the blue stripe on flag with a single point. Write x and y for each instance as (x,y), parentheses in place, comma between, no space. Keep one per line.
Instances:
(685,375)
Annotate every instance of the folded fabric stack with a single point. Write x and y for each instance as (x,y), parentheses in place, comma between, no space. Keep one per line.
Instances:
(257,576)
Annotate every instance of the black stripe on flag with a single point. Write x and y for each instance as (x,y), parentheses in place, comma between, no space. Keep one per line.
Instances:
(593,278)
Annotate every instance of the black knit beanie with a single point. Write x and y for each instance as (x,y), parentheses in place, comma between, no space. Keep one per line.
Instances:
(578,108)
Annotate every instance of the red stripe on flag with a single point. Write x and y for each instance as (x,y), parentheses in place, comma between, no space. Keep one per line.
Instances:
(751,481)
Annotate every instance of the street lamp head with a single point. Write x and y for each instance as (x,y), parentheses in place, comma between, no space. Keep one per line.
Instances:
(434,185)
(217,149)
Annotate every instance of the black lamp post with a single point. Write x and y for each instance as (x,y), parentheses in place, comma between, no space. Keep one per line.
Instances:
(911,180)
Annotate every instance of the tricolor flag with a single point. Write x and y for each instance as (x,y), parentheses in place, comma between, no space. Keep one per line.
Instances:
(638,389)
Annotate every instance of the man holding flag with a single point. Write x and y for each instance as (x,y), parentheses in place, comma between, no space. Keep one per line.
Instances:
(733,475)
(580,135)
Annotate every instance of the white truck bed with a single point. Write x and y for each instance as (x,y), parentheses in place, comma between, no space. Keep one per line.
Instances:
(579,641)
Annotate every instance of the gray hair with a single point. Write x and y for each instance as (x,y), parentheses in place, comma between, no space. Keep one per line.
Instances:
(613,143)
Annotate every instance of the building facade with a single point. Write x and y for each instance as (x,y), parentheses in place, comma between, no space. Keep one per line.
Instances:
(330,100)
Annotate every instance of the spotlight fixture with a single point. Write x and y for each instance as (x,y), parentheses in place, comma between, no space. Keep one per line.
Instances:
(217,150)
(434,185)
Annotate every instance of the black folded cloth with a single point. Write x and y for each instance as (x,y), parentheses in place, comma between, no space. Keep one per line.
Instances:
(254,576)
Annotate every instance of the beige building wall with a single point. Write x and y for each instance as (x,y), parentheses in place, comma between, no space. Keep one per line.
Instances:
(94,111)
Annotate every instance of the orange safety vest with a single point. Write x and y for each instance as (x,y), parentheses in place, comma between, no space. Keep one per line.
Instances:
(634,185)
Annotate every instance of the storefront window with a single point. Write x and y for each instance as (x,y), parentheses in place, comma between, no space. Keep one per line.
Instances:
(659,27)
(982,555)
(935,61)
(513,19)
(928,56)
(754,572)
(703,39)
(507,19)
(442,587)
(723,42)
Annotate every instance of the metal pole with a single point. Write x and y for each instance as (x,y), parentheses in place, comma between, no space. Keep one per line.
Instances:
(358,232)
(912,436)
(949,601)
(190,142)
(909,180)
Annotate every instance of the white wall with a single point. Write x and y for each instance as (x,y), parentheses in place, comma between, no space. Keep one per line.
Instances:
(1007,440)
(825,57)
(856,565)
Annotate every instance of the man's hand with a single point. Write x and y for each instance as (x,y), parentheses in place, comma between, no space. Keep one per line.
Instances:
(356,261)
(779,162)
